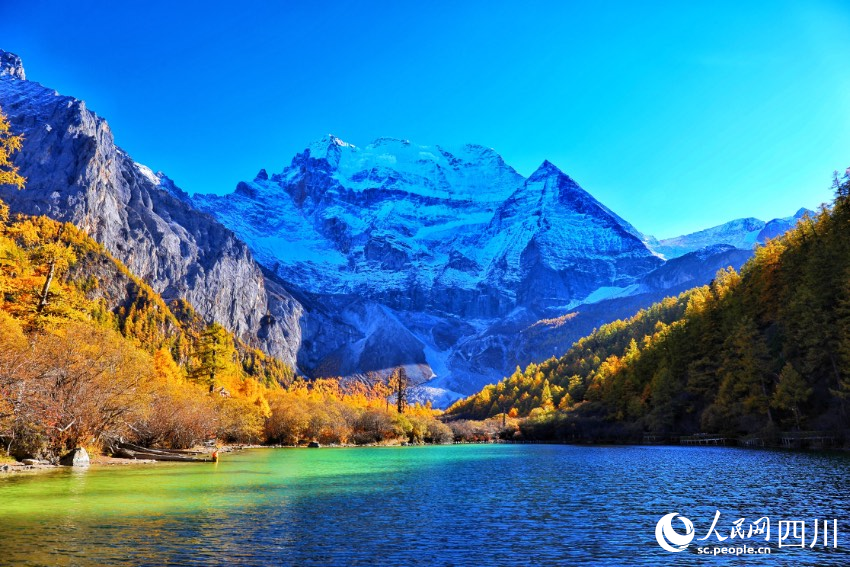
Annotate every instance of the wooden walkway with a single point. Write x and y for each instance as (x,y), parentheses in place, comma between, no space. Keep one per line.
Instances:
(786,440)
(705,440)
(814,440)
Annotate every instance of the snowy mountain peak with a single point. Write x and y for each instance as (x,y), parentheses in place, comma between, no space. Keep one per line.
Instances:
(328,141)
(328,147)
(160,180)
(448,251)
(546,169)
(481,150)
(551,180)
(468,173)
(743,234)
(548,184)
(387,141)
(748,223)
(147,173)
(11,65)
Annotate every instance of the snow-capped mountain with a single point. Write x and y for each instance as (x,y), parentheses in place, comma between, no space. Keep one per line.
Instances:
(370,221)
(438,258)
(443,260)
(551,243)
(740,233)
(417,227)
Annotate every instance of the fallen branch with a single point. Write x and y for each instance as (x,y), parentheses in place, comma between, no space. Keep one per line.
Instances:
(130,451)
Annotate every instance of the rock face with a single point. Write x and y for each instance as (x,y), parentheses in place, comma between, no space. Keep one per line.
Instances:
(11,66)
(447,261)
(76,173)
(79,457)
(443,260)
(743,234)
(694,268)
(427,257)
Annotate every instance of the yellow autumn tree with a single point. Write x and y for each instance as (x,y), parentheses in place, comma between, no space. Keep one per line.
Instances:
(9,144)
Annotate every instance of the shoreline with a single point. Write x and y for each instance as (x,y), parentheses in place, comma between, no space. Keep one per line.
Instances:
(102,461)
(96,461)
(15,468)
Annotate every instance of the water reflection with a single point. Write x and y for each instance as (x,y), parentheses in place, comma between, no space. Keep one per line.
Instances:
(464,505)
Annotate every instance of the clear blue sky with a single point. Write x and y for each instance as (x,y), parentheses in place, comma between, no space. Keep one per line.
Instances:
(677,115)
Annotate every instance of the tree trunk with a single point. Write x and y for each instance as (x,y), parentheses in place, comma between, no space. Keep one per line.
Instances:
(401,398)
(766,397)
(44,291)
(212,364)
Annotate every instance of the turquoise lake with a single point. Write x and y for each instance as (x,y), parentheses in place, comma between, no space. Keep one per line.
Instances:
(474,505)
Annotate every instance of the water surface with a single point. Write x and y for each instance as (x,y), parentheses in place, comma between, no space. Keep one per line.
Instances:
(467,505)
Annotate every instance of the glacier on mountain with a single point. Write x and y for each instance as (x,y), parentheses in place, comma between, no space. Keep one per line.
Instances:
(455,251)
(440,259)
(740,233)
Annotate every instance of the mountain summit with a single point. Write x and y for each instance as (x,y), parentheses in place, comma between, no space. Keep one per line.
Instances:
(444,259)
(11,66)
(76,173)
(740,233)
(440,259)
(437,258)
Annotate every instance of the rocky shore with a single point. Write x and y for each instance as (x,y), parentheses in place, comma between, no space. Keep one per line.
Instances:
(29,467)
(80,459)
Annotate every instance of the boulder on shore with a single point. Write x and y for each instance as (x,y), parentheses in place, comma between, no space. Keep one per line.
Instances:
(313,445)
(76,458)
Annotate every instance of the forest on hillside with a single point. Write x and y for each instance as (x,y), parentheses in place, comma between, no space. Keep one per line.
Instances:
(91,353)
(753,353)
(92,358)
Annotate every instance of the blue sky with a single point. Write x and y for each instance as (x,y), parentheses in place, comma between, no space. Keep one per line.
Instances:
(677,115)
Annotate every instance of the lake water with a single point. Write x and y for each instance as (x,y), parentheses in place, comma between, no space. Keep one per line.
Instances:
(467,505)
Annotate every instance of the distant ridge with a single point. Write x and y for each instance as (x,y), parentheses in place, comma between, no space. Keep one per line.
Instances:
(439,259)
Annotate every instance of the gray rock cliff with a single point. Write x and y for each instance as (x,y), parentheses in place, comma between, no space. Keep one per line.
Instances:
(443,260)
(76,173)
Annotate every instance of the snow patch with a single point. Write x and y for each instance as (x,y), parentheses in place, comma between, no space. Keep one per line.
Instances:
(147,173)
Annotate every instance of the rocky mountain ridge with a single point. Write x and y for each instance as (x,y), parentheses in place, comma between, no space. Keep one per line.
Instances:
(76,173)
(449,261)
(443,260)
(740,233)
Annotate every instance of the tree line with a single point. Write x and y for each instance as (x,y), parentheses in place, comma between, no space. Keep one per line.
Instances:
(82,364)
(753,353)
(91,353)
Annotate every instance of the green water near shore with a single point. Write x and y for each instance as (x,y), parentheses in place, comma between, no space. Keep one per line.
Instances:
(450,505)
